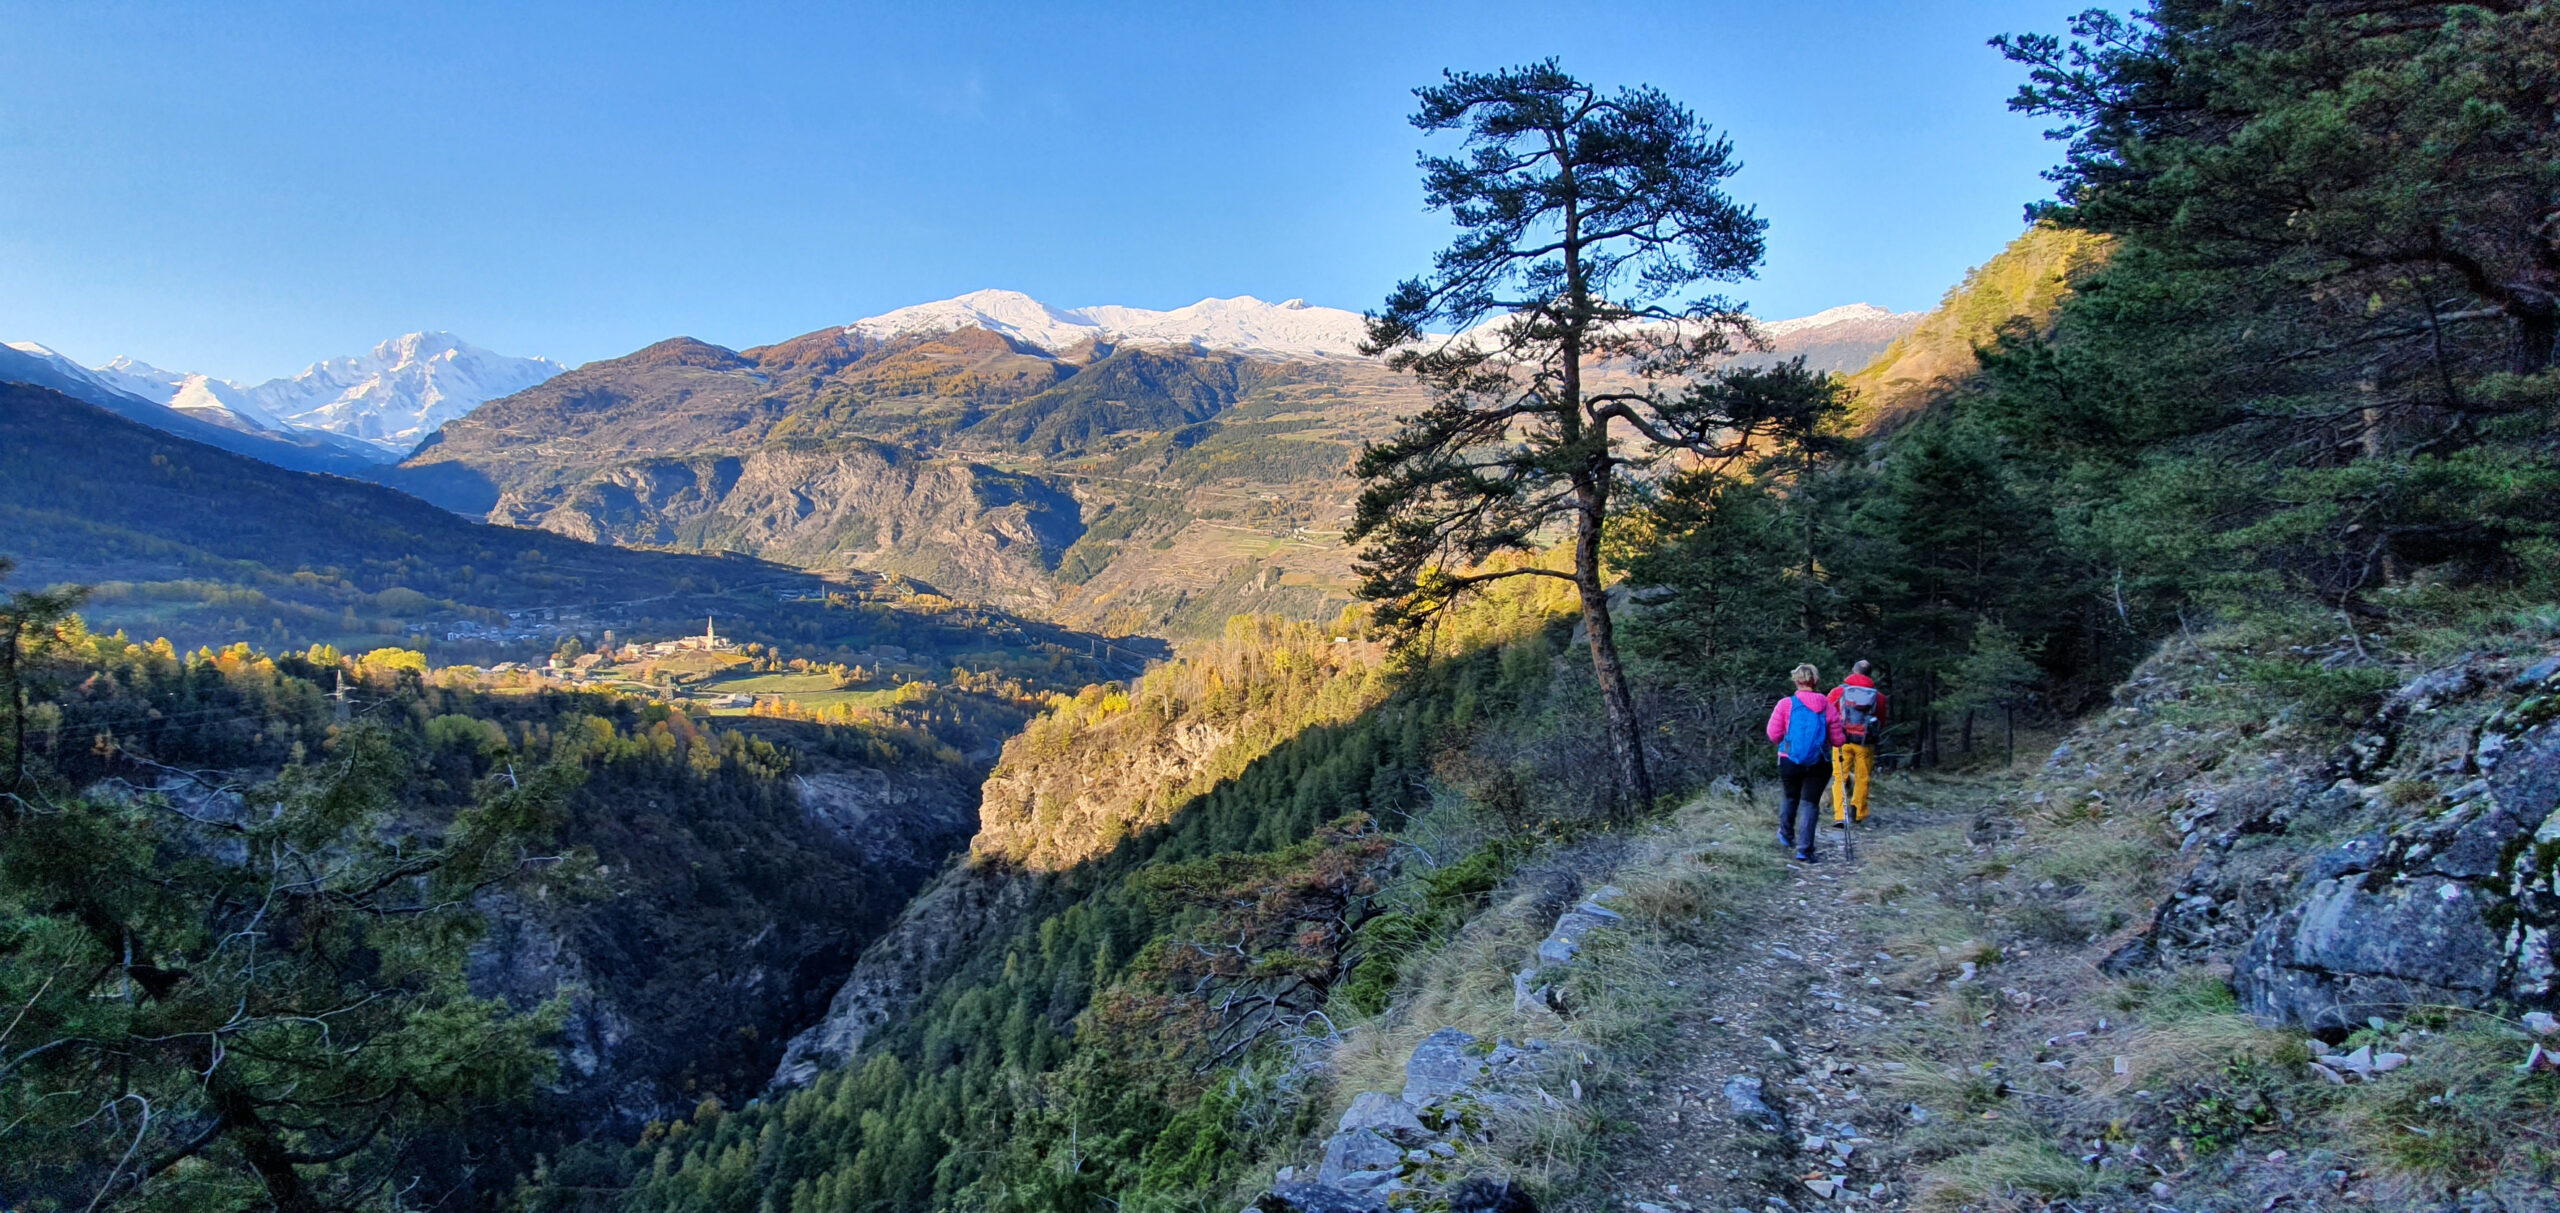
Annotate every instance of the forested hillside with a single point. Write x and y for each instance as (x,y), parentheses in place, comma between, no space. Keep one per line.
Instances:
(659,902)
(1084,1044)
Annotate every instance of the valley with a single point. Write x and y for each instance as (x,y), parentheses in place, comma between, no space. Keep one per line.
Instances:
(1003,757)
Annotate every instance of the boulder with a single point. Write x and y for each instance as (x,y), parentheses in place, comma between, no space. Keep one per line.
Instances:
(1348,1154)
(1386,1116)
(1440,1066)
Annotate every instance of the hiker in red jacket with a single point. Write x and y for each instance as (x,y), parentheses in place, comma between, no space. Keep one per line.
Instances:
(1804,726)
(1862,715)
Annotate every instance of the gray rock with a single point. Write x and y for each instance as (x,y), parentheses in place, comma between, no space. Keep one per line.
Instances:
(1293,1197)
(2357,854)
(1381,1185)
(1358,1150)
(2423,693)
(2536,674)
(1386,1116)
(1440,1066)
(1565,942)
(2345,953)
(1745,1098)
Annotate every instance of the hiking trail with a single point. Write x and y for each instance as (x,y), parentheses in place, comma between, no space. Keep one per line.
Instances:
(1795,1000)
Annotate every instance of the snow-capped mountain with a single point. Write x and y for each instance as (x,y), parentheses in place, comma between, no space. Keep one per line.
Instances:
(201,396)
(389,398)
(40,365)
(400,391)
(1846,314)
(1291,328)
(189,406)
(1244,323)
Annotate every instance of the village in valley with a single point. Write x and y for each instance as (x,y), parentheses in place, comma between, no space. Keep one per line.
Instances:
(714,673)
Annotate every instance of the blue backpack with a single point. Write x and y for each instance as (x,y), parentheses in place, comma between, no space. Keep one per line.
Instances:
(1808,733)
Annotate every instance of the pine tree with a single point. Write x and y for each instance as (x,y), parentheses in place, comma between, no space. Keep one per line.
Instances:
(1581,214)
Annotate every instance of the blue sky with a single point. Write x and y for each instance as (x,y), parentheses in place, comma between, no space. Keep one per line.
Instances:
(242,188)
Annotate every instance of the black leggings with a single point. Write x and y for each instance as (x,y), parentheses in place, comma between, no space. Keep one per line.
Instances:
(1801,786)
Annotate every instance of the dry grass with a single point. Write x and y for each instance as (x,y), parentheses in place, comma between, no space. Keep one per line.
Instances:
(2186,1030)
(2461,1108)
(1683,881)
(2017,1173)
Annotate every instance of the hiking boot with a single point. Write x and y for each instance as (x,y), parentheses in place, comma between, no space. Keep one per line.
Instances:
(1786,841)
(1806,857)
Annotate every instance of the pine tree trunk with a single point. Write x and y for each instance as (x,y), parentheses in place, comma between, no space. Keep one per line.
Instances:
(1626,734)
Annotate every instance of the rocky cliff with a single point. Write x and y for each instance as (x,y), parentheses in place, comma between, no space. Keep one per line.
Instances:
(694,963)
(2412,866)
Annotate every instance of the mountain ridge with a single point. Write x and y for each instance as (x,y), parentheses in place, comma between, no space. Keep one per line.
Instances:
(1242,322)
(1125,468)
(390,397)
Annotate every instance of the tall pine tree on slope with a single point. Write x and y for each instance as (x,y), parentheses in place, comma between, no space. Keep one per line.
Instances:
(1581,214)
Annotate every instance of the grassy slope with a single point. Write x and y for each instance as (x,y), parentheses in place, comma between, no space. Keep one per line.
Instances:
(1943,995)
(2025,281)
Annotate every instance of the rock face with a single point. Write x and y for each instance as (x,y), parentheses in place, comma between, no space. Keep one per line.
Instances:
(672,995)
(963,527)
(2456,907)
(935,933)
(2432,878)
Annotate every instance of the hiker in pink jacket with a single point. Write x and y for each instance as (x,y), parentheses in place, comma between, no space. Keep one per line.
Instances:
(1804,726)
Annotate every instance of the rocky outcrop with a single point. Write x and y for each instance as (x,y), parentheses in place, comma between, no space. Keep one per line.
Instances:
(1421,1146)
(966,528)
(936,932)
(2454,908)
(892,820)
(2416,867)
(1541,983)
(1424,1144)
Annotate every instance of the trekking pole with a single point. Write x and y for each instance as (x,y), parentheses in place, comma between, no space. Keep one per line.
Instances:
(1848,818)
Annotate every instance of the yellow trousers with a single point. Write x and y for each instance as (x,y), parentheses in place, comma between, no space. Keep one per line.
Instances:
(1851,762)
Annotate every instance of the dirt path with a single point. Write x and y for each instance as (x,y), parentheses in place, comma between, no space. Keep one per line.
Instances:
(1794,1003)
